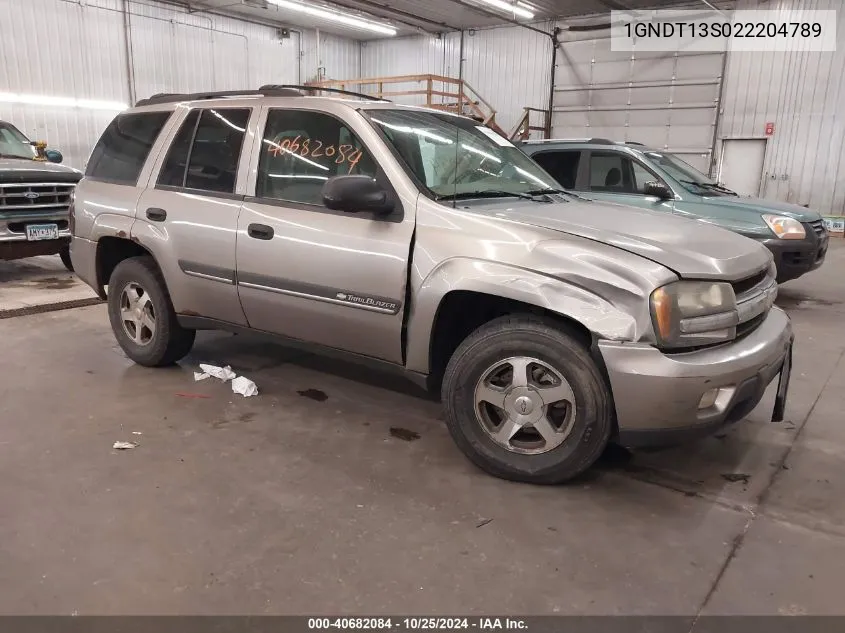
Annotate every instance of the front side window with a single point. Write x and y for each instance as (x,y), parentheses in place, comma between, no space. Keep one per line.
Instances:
(122,150)
(301,150)
(13,144)
(611,173)
(455,157)
(206,151)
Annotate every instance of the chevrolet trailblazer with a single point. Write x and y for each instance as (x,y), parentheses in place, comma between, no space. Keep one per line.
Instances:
(424,242)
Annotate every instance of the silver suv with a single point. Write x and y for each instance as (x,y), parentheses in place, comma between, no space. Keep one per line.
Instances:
(426,243)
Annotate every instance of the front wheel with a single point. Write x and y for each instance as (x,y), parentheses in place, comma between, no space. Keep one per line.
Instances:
(142,315)
(525,401)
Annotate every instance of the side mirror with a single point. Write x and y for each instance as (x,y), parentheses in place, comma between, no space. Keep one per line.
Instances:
(356,194)
(658,189)
(54,156)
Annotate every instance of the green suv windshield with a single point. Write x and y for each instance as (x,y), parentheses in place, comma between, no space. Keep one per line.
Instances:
(455,157)
(691,179)
(13,144)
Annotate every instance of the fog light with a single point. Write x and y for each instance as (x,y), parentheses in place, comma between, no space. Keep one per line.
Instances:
(708,399)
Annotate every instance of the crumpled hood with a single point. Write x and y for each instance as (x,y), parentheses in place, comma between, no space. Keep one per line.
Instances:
(27,170)
(692,249)
(758,206)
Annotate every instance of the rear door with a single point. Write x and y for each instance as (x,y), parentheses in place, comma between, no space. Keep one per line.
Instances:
(307,272)
(188,216)
(617,177)
(562,165)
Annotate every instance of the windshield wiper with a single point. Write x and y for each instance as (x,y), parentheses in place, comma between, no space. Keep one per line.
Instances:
(709,185)
(487,193)
(566,192)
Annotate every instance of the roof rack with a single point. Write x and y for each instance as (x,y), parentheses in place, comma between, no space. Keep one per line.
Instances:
(592,141)
(269,90)
(360,95)
(173,97)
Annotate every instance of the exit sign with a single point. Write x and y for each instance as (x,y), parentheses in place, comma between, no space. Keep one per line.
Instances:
(770,128)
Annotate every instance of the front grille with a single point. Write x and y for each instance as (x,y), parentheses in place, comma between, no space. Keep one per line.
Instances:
(817,227)
(744,285)
(37,196)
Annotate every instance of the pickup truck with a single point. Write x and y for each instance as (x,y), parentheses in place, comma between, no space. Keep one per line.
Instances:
(423,242)
(35,193)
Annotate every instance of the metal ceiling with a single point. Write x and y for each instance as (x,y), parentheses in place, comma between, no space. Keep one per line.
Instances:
(411,17)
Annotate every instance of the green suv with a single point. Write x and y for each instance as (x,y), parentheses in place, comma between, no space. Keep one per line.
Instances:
(633,174)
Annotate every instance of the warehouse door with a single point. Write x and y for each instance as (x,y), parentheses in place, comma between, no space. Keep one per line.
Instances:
(741,167)
(668,101)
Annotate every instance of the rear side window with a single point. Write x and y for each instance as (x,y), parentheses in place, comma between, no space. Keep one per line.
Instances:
(206,151)
(122,150)
(563,166)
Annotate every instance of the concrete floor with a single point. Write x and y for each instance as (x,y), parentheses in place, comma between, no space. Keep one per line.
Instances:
(283,503)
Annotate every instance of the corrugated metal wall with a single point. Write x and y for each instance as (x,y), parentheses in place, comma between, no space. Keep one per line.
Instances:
(83,55)
(803,94)
(338,58)
(509,66)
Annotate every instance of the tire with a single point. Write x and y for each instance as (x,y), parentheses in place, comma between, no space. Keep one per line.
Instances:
(587,413)
(64,253)
(164,343)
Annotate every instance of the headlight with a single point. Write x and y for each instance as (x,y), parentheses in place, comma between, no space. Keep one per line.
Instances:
(692,313)
(785,228)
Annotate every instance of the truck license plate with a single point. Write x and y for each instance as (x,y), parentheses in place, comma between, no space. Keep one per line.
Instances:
(36,232)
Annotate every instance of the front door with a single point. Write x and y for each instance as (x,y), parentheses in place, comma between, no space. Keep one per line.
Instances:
(617,177)
(189,214)
(307,272)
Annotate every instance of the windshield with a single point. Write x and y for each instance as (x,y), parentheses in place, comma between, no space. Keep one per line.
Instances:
(455,157)
(692,179)
(14,144)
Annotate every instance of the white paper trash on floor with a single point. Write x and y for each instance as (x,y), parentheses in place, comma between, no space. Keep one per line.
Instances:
(124,446)
(244,386)
(223,373)
(200,375)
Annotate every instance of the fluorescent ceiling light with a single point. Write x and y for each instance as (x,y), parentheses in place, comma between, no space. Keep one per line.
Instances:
(510,8)
(61,102)
(335,16)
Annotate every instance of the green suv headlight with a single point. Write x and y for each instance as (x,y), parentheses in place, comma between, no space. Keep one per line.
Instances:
(784,227)
(694,313)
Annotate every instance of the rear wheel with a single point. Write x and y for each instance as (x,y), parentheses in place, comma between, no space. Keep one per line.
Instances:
(525,401)
(64,253)
(142,315)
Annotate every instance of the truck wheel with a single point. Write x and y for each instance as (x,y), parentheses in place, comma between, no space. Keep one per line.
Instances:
(525,401)
(64,253)
(142,315)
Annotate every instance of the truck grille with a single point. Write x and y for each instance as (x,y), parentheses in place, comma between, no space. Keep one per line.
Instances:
(755,296)
(23,197)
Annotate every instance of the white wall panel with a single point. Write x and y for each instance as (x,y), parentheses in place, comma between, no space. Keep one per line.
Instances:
(803,94)
(410,56)
(172,51)
(331,57)
(511,68)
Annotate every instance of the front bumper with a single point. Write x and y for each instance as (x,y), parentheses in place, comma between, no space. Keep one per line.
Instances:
(794,258)
(18,247)
(657,395)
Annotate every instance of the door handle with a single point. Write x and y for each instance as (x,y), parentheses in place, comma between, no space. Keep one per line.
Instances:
(155,214)
(260,231)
